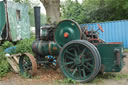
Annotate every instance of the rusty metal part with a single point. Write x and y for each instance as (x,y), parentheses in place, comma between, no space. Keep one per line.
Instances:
(117,54)
(94,39)
(33,61)
(102,68)
(99,26)
(115,43)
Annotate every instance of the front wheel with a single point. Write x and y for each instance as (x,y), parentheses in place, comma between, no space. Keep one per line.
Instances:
(79,60)
(27,65)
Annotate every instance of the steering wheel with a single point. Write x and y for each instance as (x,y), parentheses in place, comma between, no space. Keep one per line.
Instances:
(99,26)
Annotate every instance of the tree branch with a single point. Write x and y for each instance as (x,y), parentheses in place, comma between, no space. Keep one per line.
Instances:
(45,2)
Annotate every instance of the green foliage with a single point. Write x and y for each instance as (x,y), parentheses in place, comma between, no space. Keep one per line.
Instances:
(126,50)
(110,75)
(4,66)
(21,47)
(20,0)
(95,10)
(25,45)
(7,44)
(25,75)
(32,20)
(1,49)
(72,10)
(68,80)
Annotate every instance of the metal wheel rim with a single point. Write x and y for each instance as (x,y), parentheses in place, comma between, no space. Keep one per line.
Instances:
(33,66)
(89,77)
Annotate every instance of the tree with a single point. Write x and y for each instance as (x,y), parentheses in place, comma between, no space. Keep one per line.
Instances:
(91,11)
(52,10)
(72,10)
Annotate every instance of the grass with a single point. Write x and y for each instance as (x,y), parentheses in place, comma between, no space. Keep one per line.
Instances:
(99,80)
(25,75)
(126,50)
(114,76)
(67,81)
(36,77)
(1,49)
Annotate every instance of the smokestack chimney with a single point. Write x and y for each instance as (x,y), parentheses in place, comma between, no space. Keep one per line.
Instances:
(37,22)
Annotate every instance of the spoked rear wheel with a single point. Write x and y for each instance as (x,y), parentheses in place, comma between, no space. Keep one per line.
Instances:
(79,60)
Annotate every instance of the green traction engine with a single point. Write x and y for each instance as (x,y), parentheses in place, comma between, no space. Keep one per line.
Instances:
(78,52)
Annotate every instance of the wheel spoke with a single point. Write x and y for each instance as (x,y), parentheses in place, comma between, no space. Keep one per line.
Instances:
(90,65)
(25,65)
(86,60)
(79,70)
(78,49)
(28,68)
(73,66)
(74,71)
(69,57)
(84,74)
(68,63)
(82,53)
(87,68)
(75,52)
(70,53)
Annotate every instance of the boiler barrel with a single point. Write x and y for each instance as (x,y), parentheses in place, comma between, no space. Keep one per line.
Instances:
(45,48)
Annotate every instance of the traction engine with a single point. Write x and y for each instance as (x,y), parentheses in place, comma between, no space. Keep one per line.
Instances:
(79,52)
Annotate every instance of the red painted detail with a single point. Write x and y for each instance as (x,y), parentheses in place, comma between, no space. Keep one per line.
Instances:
(66,34)
(80,57)
(99,26)
(115,43)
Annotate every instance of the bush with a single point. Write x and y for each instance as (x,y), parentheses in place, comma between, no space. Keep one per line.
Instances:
(22,46)
(7,44)
(4,66)
(25,45)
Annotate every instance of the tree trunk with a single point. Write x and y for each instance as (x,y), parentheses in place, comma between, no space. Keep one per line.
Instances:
(52,8)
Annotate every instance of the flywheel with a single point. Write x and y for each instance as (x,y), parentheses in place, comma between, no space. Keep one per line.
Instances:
(67,30)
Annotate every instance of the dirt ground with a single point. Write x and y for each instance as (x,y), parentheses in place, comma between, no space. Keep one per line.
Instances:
(52,77)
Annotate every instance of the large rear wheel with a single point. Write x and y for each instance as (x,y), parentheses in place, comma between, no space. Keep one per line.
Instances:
(79,60)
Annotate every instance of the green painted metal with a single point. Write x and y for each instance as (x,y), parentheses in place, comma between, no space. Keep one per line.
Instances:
(2,18)
(79,60)
(42,48)
(25,64)
(67,26)
(18,18)
(46,48)
(108,57)
(18,21)
(44,33)
(53,49)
